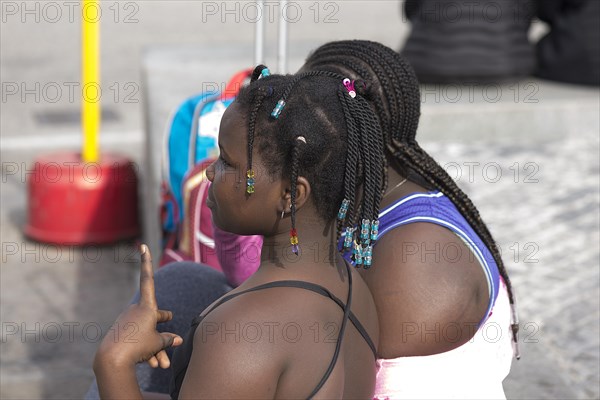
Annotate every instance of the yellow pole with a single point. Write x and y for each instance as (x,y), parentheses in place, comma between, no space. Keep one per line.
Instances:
(90,77)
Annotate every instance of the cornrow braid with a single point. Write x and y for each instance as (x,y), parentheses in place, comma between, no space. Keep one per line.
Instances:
(398,109)
(288,90)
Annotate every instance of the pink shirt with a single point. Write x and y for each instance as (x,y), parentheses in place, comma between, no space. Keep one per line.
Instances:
(239,256)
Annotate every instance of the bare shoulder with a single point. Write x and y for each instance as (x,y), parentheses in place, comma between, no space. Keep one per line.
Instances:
(425,279)
(244,347)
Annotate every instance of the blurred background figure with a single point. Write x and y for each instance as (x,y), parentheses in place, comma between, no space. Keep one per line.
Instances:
(469,41)
(570,52)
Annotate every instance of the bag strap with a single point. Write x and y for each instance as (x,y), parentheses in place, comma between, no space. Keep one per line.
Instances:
(195,128)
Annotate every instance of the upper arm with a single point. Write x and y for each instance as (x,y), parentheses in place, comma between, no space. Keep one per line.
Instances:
(232,358)
(429,289)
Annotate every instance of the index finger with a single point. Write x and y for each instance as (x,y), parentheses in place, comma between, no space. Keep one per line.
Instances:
(147,295)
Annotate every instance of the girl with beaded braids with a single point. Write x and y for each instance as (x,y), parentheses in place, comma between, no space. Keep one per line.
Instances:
(438,280)
(304,325)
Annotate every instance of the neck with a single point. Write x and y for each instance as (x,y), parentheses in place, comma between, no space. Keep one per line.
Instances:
(394,178)
(317,243)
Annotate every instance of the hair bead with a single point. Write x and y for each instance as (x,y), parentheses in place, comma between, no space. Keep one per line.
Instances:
(343,209)
(250,180)
(374,229)
(368,256)
(349,87)
(348,238)
(358,255)
(294,241)
(278,108)
(364,229)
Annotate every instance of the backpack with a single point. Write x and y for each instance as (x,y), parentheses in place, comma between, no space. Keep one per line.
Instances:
(191,146)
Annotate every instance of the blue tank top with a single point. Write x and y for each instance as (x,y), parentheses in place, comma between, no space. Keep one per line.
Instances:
(436,208)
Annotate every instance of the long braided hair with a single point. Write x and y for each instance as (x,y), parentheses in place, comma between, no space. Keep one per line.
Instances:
(321,126)
(397,106)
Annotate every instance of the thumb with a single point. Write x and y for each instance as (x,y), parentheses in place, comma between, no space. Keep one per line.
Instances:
(170,340)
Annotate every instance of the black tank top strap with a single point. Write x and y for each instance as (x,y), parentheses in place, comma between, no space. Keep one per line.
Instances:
(313,287)
(340,338)
(348,316)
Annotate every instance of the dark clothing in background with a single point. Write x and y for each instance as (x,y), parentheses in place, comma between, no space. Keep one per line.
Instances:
(470,41)
(570,52)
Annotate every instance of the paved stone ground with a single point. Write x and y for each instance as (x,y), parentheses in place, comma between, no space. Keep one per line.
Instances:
(546,221)
(55,302)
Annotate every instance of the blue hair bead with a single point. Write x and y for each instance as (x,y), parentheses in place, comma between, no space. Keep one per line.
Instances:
(374,229)
(364,229)
(343,209)
(358,256)
(278,108)
(348,238)
(368,256)
(265,72)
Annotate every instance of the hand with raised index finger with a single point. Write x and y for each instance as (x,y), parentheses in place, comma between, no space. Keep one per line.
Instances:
(133,337)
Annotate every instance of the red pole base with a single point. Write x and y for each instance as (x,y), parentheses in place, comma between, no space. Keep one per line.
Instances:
(72,202)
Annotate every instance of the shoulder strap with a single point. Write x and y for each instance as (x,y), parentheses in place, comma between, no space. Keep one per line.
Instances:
(338,345)
(300,285)
(324,292)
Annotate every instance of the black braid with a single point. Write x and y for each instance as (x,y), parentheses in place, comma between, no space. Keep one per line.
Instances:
(294,177)
(369,158)
(398,109)
(257,72)
(366,164)
(353,160)
(375,144)
(259,98)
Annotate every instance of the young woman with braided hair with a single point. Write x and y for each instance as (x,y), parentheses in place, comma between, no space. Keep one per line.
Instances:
(301,326)
(440,286)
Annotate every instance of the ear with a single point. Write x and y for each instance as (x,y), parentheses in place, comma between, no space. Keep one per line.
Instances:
(303,191)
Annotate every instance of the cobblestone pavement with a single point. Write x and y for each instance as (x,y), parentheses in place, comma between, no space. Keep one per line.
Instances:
(542,206)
